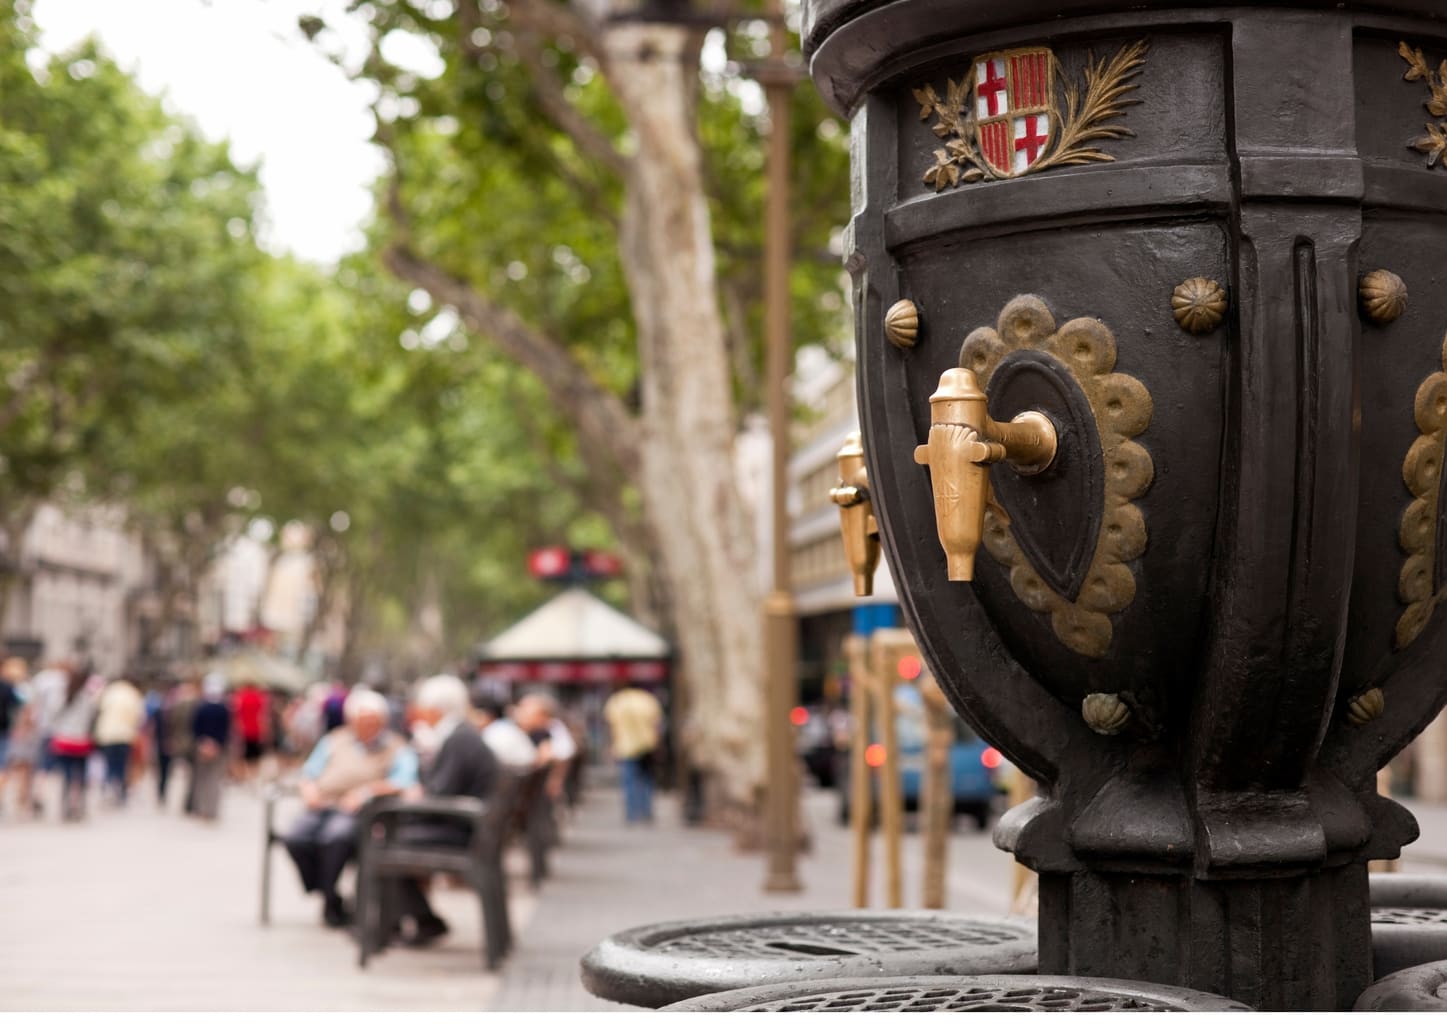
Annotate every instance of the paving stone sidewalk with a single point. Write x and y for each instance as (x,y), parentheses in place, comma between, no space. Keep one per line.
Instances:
(143,909)
(607,877)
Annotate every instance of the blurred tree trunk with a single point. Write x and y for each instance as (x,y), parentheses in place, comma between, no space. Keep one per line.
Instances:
(349,664)
(679,448)
(328,562)
(688,424)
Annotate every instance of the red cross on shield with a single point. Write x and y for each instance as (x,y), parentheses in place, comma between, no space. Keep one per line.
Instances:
(1014,96)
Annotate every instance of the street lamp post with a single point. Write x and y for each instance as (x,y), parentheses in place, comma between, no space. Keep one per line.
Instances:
(781,637)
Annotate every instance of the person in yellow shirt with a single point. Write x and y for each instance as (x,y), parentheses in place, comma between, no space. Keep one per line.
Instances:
(635,720)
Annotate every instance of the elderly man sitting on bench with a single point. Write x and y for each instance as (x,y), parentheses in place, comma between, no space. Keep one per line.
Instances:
(455,762)
(348,767)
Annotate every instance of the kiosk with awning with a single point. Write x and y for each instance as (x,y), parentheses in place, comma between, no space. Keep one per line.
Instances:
(575,645)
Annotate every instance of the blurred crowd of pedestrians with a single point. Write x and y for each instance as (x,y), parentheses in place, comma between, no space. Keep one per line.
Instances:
(101,736)
(340,747)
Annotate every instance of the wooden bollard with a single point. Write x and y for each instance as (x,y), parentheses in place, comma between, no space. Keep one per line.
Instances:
(889,646)
(861,798)
(1025,886)
(937,801)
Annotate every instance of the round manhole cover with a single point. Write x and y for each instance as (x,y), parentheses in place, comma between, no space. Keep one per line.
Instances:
(963,994)
(664,963)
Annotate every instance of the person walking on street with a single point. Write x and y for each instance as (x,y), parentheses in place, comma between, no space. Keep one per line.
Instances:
(120,717)
(12,678)
(348,767)
(160,742)
(71,743)
(47,697)
(635,720)
(24,746)
(252,707)
(210,738)
(177,718)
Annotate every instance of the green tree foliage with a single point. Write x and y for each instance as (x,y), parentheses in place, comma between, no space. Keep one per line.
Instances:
(152,357)
(124,245)
(493,183)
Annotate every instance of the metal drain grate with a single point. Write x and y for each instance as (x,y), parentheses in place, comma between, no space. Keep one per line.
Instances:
(661,964)
(1409,915)
(981,993)
(834,939)
(948,999)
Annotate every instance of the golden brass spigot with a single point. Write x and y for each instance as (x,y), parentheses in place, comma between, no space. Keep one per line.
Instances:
(856,515)
(963,442)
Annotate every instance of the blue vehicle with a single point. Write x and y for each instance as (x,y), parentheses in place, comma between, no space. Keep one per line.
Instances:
(974,764)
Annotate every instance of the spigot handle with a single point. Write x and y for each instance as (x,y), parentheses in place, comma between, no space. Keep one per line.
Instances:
(857,524)
(963,443)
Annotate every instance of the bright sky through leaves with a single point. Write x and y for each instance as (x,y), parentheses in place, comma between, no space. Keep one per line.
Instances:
(242,70)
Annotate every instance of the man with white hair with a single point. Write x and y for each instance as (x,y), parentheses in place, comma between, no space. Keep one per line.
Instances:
(348,767)
(537,715)
(455,762)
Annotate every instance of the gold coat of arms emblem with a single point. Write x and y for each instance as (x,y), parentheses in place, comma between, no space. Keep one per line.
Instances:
(1016,113)
(1013,117)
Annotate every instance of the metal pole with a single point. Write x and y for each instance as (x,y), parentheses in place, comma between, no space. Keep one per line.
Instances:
(781,637)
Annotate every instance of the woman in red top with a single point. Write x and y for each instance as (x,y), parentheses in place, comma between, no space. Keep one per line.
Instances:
(252,713)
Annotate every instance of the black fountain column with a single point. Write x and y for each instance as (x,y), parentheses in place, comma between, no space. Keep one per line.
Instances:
(1209,244)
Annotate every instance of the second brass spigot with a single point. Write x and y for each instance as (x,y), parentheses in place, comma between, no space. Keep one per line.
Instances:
(963,442)
(857,524)
(856,516)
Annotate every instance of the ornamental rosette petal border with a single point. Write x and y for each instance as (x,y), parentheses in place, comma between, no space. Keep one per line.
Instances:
(1122,407)
(1417,585)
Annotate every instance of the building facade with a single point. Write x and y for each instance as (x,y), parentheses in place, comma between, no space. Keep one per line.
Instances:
(75,588)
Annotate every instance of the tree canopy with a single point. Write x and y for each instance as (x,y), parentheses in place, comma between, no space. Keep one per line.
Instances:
(155,358)
(553,334)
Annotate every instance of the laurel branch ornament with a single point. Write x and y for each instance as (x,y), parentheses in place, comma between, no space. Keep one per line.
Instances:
(1434,143)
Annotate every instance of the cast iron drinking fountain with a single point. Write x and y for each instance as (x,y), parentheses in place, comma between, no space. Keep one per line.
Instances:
(1151,301)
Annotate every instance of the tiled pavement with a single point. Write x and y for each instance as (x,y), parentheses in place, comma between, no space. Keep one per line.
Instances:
(607,878)
(145,910)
